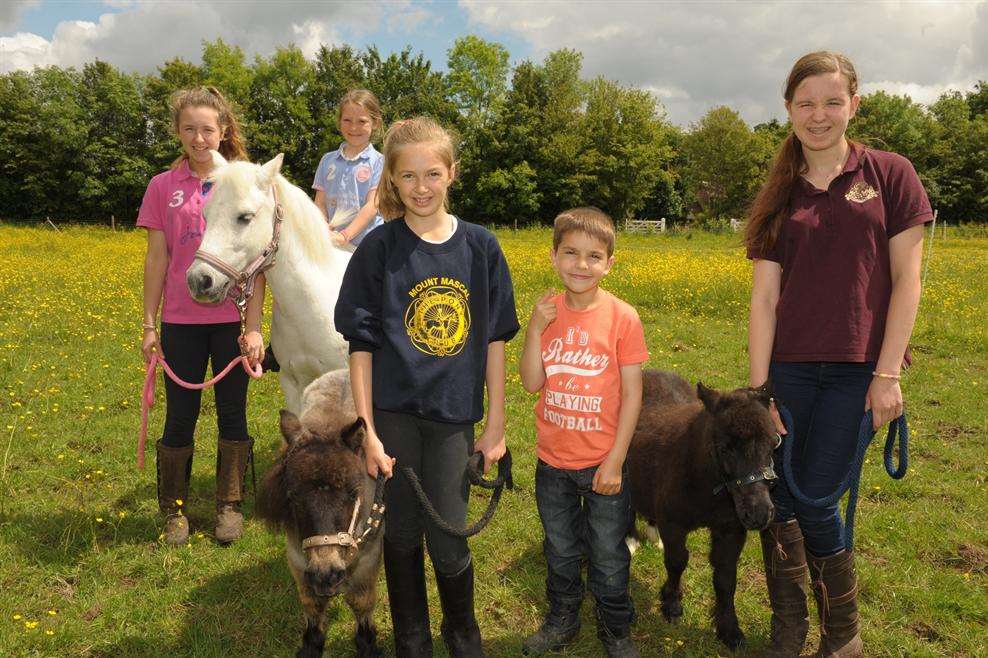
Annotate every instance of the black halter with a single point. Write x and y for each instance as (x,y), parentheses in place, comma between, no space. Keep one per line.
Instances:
(766,474)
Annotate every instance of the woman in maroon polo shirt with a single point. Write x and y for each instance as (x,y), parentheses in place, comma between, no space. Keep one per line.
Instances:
(836,237)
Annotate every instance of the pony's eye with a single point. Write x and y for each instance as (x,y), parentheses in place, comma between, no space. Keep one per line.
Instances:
(245,217)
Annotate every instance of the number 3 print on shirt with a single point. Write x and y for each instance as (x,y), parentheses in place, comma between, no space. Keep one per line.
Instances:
(178,196)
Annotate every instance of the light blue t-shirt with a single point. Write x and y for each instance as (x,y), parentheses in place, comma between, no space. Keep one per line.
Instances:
(345,183)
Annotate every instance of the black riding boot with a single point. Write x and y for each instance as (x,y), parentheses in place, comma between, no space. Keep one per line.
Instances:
(460,630)
(560,627)
(404,570)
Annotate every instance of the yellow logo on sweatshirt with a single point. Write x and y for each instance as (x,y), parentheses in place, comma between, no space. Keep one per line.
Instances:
(438,318)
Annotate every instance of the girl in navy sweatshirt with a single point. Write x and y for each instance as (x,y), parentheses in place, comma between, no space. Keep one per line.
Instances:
(427,306)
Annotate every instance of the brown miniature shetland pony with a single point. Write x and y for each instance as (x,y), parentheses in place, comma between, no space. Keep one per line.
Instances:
(702,460)
(319,493)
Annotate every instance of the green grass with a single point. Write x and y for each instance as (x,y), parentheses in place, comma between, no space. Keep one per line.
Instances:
(79,526)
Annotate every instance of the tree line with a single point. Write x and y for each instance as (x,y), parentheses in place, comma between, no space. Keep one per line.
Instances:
(534,139)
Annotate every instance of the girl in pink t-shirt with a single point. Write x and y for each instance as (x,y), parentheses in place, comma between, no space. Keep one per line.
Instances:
(194,334)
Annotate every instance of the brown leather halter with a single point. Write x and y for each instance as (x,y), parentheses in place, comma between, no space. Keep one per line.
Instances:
(348,539)
(242,286)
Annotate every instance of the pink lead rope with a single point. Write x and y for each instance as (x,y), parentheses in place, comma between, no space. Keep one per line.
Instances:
(147,395)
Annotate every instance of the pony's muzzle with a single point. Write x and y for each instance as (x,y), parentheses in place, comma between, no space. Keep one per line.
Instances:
(324,582)
(206,285)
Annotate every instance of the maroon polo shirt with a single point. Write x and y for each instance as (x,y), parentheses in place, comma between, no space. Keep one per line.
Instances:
(834,253)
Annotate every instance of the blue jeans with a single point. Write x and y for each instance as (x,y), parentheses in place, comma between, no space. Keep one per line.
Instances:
(826,401)
(578,523)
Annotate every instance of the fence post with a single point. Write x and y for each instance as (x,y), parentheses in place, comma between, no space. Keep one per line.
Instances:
(113,223)
(662,225)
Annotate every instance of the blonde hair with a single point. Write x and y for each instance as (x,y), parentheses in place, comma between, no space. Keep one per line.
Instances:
(420,130)
(592,221)
(363,98)
(231,142)
(771,205)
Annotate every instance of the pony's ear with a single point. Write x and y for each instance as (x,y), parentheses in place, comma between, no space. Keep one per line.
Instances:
(763,394)
(271,168)
(353,435)
(218,160)
(291,426)
(708,396)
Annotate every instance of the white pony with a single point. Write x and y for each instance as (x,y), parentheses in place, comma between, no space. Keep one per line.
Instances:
(305,279)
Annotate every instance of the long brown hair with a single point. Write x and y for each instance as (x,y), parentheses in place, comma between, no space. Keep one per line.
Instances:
(232,142)
(420,130)
(771,206)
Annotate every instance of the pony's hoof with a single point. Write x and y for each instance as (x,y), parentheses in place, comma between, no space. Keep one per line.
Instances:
(309,652)
(369,652)
(672,610)
(733,639)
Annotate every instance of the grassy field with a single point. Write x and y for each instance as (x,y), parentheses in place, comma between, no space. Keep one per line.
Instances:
(82,572)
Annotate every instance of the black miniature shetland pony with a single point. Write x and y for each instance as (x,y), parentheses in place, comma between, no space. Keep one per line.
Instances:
(702,460)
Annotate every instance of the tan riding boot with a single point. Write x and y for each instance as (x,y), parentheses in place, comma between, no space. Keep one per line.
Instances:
(835,586)
(173,470)
(231,467)
(785,576)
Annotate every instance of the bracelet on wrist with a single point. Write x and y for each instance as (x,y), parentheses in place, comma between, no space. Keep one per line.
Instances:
(885,375)
(146,326)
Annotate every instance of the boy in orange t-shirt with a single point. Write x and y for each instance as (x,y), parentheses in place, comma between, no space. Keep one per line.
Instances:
(584,351)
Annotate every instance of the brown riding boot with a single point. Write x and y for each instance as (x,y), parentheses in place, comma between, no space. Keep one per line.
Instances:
(785,576)
(835,586)
(231,467)
(174,467)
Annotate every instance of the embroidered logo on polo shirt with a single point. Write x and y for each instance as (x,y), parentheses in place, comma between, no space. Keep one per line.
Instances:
(363,173)
(438,319)
(861,192)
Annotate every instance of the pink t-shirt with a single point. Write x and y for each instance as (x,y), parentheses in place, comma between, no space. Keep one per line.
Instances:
(582,352)
(173,203)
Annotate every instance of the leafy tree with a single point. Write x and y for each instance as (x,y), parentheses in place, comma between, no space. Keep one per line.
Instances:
(477,78)
(407,86)
(894,123)
(173,75)
(225,67)
(626,146)
(959,170)
(725,163)
(280,115)
(114,164)
(977,100)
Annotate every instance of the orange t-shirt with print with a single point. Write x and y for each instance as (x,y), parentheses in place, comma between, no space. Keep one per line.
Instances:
(582,352)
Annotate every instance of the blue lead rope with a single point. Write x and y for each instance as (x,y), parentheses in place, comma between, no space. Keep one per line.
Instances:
(898,428)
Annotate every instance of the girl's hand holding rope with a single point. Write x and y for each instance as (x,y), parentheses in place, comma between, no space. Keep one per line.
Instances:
(492,444)
(252,346)
(150,344)
(376,459)
(884,399)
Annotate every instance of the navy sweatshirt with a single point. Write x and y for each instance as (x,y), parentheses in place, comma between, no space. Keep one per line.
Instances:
(427,313)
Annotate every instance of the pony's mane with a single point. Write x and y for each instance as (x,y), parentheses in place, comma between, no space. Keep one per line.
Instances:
(306,223)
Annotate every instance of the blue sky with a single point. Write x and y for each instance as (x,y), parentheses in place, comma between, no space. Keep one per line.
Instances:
(692,56)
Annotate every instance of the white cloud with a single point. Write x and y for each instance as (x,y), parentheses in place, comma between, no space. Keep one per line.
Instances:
(146,33)
(10,12)
(24,50)
(695,56)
